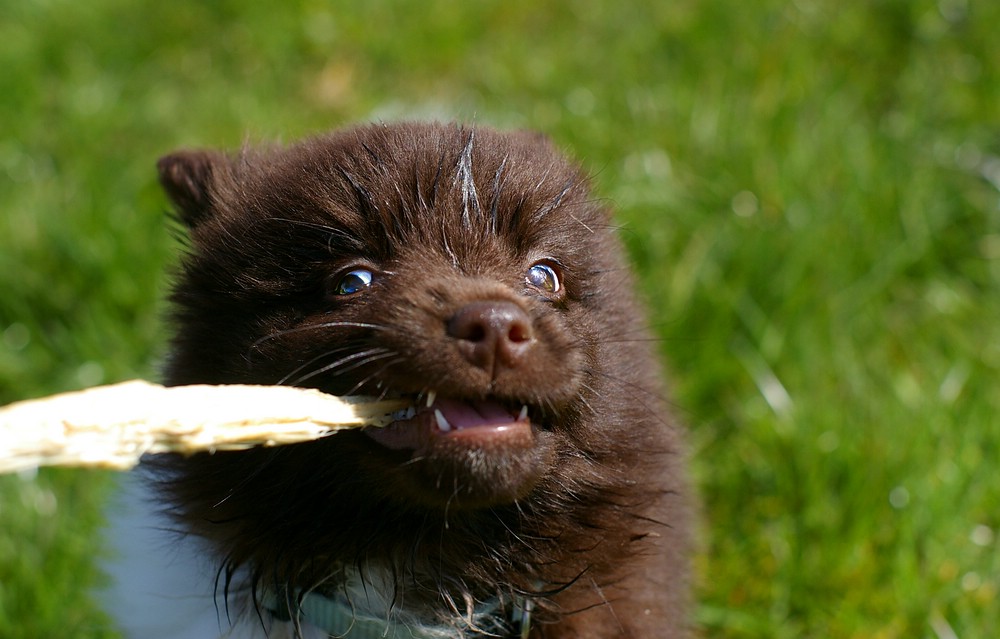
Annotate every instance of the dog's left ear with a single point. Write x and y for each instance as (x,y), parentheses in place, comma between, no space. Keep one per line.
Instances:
(190,179)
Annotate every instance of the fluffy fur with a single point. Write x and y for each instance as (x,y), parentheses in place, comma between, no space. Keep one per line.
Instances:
(462,230)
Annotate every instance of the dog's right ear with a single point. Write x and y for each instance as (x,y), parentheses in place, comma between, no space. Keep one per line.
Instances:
(190,179)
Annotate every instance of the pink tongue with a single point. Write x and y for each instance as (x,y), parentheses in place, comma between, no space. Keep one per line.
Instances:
(424,427)
(469,415)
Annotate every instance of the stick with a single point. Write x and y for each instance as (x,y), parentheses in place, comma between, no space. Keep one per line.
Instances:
(113,426)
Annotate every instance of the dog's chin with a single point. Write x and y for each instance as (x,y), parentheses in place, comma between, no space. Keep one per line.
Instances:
(464,454)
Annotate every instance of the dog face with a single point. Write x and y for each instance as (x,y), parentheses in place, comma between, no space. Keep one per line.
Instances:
(467,271)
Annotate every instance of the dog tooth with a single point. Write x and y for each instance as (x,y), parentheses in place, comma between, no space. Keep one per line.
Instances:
(524,413)
(431,396)
(442,423)
(410,412)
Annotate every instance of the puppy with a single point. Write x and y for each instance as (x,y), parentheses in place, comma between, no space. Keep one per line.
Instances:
(534,487)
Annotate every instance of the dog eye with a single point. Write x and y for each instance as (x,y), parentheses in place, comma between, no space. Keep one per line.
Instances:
(353,281)
(544,277)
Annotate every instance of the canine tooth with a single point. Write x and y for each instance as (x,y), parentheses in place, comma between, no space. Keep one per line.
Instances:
(431,396)
(410,412)
(524,413)
(442,423)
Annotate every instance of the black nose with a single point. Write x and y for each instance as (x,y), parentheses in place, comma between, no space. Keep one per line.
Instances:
(492,335)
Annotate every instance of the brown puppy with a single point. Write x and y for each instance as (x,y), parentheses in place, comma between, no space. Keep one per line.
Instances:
(536,486)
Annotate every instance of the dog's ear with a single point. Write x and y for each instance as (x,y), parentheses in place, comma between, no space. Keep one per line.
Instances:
(190,179)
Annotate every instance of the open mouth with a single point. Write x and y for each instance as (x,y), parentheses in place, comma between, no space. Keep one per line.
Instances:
(471,422)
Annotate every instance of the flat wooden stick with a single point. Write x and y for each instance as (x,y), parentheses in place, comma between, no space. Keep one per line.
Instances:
(113,426)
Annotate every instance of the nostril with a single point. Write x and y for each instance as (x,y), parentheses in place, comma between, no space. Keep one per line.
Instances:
(470,324)
(520,332)
(474,332)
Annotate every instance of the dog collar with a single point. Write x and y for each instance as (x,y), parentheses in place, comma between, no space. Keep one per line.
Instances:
(338,618)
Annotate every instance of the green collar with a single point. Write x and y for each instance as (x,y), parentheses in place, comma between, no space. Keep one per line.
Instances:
(338,618)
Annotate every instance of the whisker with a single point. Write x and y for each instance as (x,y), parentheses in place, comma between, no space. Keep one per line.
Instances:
(371,357)
(584,401)
(614,614)
(375,374)
(316,327)
(312,361)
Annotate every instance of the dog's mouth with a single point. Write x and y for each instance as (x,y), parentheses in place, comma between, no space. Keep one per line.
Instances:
(474,423)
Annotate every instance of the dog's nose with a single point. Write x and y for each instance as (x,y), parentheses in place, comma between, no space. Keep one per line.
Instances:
(492,335)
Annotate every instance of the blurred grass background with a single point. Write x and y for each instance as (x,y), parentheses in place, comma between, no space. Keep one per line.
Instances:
(809,189)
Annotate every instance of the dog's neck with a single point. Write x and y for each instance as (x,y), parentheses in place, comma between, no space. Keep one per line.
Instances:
(364,608)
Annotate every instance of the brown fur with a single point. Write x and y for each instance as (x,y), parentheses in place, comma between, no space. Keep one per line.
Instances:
(589,520)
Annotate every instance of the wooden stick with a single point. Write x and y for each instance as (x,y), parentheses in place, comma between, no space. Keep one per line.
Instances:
(113,426)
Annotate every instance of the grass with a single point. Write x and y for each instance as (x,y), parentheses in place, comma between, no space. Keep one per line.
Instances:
(809,190)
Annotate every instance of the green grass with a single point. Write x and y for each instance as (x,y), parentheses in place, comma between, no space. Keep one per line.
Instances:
(809,189)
